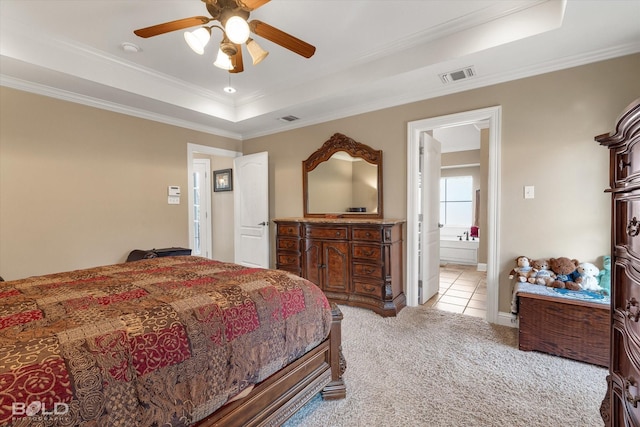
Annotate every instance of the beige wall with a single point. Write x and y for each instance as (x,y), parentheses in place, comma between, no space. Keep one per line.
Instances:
(548,125)
(457,158)
(81,186)
(222,215)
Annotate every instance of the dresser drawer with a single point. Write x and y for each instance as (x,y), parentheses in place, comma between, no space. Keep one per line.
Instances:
(367,270)
(366,233)
(289,229)
(627,218)
(367,288)
(285,244)
(626,297)
(626,165)
(327,232)
(626,378)
(370,252)
(288,260)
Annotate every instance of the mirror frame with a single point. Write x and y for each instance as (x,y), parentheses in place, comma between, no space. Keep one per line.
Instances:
(340,142)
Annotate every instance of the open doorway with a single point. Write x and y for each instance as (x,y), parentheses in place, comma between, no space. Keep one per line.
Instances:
(213,237)
(416,134)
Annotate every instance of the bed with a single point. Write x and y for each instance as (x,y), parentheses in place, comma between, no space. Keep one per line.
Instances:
(173,341)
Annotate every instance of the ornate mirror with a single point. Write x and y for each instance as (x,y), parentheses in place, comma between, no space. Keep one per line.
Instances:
(343,178)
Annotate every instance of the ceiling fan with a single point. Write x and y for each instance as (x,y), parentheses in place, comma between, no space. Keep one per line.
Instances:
(233,16)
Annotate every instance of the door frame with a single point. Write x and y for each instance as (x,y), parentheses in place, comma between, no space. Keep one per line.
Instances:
(494,117)
(209,151)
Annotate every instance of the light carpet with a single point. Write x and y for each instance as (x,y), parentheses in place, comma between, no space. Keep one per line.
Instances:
(433,368)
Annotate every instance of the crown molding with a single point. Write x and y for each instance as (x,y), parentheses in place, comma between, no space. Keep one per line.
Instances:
(335,114)
(64,95)
(475,83)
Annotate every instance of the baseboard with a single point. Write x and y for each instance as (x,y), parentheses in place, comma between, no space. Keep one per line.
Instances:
(482,267)
(507,319)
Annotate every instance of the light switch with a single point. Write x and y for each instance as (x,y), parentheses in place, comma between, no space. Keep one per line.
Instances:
(528,191)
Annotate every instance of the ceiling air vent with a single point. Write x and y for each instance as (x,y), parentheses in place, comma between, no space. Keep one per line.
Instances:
(461,74)
(289,118)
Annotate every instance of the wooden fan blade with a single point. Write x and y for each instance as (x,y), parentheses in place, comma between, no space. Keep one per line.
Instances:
(283,39)
(236,60)
(167,27)
(251,4)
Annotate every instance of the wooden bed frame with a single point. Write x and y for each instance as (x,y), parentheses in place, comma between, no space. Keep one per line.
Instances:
(277,398)
(564,327)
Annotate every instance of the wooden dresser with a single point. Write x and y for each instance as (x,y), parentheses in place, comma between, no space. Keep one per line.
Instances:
(620,406)
(354,261)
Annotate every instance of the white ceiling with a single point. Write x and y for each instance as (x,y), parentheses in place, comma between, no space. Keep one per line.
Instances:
(370,55)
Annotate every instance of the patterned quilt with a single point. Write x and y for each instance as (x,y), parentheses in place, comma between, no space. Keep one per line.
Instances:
(156,342)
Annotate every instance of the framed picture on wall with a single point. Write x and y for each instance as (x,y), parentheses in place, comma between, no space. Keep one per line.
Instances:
(222,180)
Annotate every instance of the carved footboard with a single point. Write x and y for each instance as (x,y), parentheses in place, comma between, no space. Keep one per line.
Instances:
(277,398)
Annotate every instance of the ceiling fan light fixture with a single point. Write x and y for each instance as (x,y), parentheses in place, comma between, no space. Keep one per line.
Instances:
(223,61)
(198,39)
(237,29)
(257,53)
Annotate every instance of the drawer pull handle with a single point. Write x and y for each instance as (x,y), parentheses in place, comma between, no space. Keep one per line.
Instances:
(369,288)
(633,228)
(369,270)
(337,234)
(628,383)
(368,253)
(622,164)
(633,310)
(368,234)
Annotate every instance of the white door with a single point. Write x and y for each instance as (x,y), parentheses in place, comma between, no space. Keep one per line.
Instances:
(201,244)
(251,202)
(429,227)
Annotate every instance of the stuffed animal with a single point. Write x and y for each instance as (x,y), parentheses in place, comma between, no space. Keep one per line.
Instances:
(565,270)
(540,273)
(522,269)
(588,277)
(604,278)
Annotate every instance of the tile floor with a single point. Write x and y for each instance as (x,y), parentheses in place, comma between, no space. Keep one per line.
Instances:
(463,289)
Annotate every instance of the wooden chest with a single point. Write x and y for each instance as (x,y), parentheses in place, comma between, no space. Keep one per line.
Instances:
(573,329)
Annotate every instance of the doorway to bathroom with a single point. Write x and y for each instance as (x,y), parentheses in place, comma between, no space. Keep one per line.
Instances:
(423,261)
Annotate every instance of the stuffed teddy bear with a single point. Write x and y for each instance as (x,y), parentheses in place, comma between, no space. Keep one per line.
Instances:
(522,269)
(588,279)
(604,278)
(540,273)
(565,270)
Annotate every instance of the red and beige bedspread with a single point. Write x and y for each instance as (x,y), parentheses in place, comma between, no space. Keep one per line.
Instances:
(157,342)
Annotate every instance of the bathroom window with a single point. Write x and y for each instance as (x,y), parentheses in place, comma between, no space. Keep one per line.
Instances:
(456,201)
